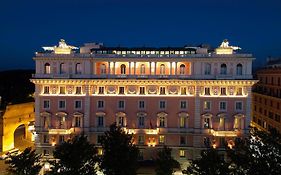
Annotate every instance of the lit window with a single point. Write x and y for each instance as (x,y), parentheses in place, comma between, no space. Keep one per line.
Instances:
(162,69)
(182,69)
(142,69)
(182,122)
(62,90)
(223,91)
(161,139)
(182,153)
(222,106)
(162,90)
(121,90)
(206,123)
(101,90)
(207,105)
(121,121)
(77,121)
(62,68)
(142,90)
(62,104)
(79,90)
(77,104)
(123,69)
(46,104)
(45,139)
(207,91)
(61,139)
(46,89)
(47,68)
(239,91)
(100,104)
(162,104)
(183,90)
(103,69)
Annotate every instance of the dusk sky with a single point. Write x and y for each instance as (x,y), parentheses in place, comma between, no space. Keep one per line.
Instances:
(26,26)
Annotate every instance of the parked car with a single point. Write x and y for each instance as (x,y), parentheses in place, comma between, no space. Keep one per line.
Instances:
(12,152)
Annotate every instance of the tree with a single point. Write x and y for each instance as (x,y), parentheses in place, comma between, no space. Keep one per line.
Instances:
(26,163)
(210,163)
(120,155)
(258,154)
(165,163)
(75,157)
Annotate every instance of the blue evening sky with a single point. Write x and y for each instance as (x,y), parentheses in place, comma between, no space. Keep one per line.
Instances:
(26,26)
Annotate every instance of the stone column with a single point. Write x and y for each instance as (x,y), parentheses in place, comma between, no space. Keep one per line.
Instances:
(171,68)
(130,68)
(113,68)
(87,107)
(176,68)
(135,68)
(149,68)
(108,68)
(155,67)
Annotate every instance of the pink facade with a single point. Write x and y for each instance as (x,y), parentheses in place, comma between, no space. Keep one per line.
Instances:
(185,98)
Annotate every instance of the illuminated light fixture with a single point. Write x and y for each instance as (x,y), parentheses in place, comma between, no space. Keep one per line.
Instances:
(47,166)
(230,144)
(152,131)
(224,133)
(214,146)
(53,143)
(151,142)
(61,131)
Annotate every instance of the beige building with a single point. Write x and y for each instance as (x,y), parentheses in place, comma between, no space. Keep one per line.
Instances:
(187,98)
(267,97)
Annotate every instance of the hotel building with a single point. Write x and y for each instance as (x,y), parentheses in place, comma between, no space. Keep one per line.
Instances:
(267,97)
(184,97)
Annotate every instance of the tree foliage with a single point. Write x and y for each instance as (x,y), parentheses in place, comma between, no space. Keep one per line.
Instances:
(75,157)
(120,156)
(258,154)
(26,163)
(165,163)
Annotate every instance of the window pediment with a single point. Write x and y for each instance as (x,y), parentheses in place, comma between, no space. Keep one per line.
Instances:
(45,114)
(207,115)
(120,114)
(162,114)
(222,115)
(100,113)
(77,114)
(141,114)
(239,115)
(183,114)
(61,114)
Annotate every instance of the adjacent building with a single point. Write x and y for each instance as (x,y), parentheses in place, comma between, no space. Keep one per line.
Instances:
(267,97)
(184,97)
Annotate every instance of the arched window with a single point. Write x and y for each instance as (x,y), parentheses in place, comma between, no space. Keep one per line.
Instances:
(239,69)
(62,68)
(182,69)
(162,69)
(123,69)
(47,68)
(223,69)
(78,68)
(207,69)
(102,69)
(142,69)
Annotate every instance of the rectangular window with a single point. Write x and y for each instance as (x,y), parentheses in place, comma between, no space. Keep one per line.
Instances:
(121,90)
(46,90)
(77,104)
(100,121)
(141,121)
(101,90)
(222,106)
(277,117)
(78,90)
(183,90)
(183,104)
(223,91)
(77,121)
(206,123)
(141,139)
(100,104)
(61,139)
(142,90)
(238,106)
(161,139)
(182,153)
(239,91)
(162,104)
(162,91)
(182,122)
(182,140)
(99,138)
(207,105)
(141,104)
(46,104)
(62,90)
(62,104)
(45,139)
(121,104)
(207,91)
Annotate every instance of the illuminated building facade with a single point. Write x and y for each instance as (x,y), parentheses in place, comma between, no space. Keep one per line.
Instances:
(267,97)
(185,98)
